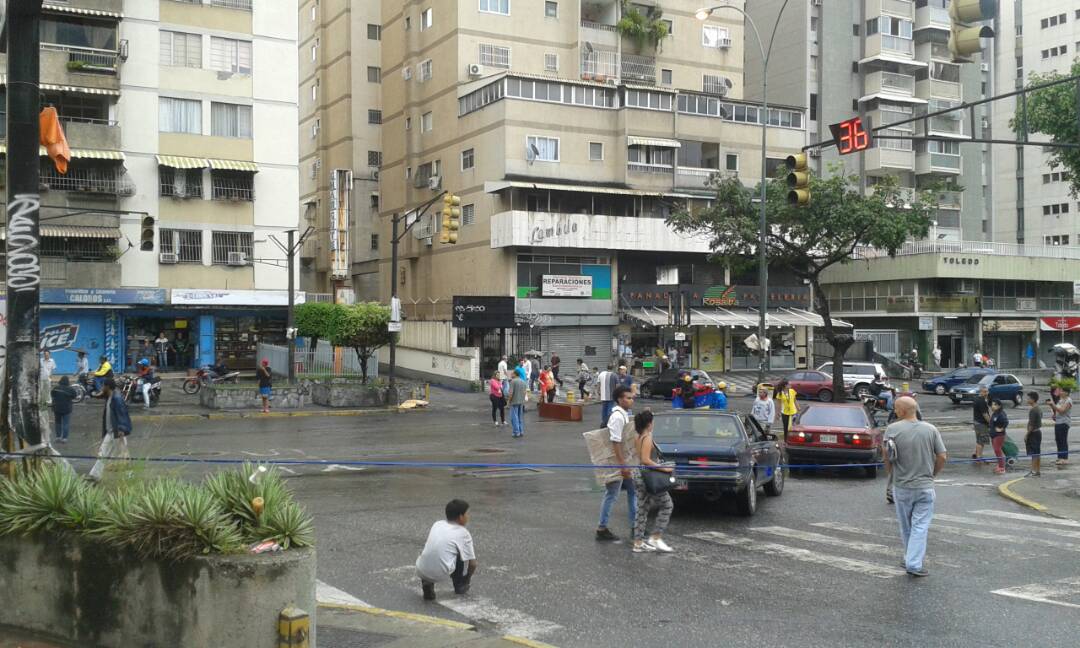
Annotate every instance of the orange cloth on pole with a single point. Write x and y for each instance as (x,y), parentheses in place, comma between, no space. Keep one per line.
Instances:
(52,138)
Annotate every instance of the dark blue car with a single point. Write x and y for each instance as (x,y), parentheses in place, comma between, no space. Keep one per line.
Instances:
(1002,387)
(942,384)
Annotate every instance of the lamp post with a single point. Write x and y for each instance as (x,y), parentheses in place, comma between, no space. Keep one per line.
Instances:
(763,268)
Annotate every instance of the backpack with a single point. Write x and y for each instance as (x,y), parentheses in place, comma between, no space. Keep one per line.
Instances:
(891,451)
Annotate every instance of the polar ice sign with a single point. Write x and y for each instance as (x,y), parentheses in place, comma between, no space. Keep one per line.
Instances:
(58,337)
(483,312)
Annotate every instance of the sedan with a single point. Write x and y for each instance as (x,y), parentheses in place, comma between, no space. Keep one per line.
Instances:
(834,434)
(812,384)
(942,384)
(1003,387)
(717,453)
(669,379)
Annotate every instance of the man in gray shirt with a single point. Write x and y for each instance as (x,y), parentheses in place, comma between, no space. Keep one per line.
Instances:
(914,455)
(517,405)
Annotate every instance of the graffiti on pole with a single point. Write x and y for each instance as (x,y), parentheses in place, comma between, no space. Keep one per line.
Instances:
(23,263)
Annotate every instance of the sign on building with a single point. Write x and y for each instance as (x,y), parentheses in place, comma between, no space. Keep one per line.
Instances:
(1010,325)
(340,201)
(566,286)
(483,312)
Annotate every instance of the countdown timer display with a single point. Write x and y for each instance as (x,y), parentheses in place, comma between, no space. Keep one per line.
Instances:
(852,135)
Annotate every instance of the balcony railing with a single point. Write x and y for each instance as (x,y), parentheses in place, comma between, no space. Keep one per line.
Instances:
(641,69)
(243,5)
(588,24)
(974,247)
(950,199)
(637,167)
(898,83)
(897,7)
(897,44)
(96,179)
(945,160)
(86,59)
(946,125)
(693,177)
(599,65)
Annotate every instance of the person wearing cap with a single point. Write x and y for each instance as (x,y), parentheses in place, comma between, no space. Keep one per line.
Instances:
(266,381)
(146,380)
(720,396)
(115,428)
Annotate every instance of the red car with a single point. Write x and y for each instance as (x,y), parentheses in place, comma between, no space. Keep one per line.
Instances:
(812,384)
(834,433)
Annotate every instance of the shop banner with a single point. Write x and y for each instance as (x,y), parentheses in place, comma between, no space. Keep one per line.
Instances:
(483,312)
(566,286)
(234,297)
(1010,325)
(713,296)
(1060,323)
(148,296)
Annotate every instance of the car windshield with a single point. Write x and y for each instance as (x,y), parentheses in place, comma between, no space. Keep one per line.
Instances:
(978,378)
(724,430)
(848,417)
(963,373)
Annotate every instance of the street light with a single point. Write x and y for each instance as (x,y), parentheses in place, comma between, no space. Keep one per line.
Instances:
(763,270)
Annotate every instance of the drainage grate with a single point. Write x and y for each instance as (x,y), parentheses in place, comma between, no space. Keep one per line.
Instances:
(331,637)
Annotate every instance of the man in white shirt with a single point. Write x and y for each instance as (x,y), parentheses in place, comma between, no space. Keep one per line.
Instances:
(504,373)
(447,552)
(607,399)
(764,409)
(48,366)
(624,456)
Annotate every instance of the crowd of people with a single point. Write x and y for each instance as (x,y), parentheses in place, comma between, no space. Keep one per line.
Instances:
(990,423)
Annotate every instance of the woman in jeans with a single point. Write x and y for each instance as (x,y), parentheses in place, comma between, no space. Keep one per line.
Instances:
(498,400)
(1062,408)
(999,423)
(646,450)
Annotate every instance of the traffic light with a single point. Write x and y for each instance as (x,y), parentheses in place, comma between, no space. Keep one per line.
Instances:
(964,37)
(798,180)
(146,234)
(451,218)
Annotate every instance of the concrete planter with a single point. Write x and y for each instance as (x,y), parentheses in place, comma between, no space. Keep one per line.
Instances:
(80,591)
(348,394)
(284,398)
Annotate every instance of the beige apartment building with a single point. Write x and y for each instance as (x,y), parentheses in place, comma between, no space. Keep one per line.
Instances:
(340,154)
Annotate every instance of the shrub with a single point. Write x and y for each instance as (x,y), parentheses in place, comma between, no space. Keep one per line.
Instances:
(282,520)
(1064,383)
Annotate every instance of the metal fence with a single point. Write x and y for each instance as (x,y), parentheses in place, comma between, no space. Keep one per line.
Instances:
(320,362)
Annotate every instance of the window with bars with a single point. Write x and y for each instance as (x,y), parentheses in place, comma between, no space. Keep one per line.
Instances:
(180,183)
(551,62)
(230,120)
(494,55)
(374,241)
(185,244)
(374,116)
(232,185)
(222,243)
(374,32)
(243,5)
(374,158)
(78,249)
(468,214)
(88,176)
(181,49)
(230,55)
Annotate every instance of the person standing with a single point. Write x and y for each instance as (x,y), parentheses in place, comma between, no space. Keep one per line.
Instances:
(115,428)
(649,457)
(980,413)
(534,374)
(582,377)
(606,381)
(161,346)
(48,366)
(625,379)
(914,456)
(447,552)
(518,389)
(504,373)
(1062,409)
(555,361)
(976,358)
(999,423)
(498,399)
(936,353)
(266,384)
(82,364)
(764,409)
(1033,437)
(181,345)
(785,395)
(623,447)
(547,385)
(63,395)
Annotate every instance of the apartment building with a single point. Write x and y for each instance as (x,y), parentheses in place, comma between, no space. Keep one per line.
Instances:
(340,149)
(568,144)
(887,60)
(180,175)
(1032,204)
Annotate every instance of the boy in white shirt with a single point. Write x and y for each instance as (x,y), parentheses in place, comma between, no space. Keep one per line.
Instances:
(764,409)
(447,552)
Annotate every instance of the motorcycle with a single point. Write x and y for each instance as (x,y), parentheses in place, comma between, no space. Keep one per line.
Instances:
(131,390)
(84,387)
(210,375)
(876,405)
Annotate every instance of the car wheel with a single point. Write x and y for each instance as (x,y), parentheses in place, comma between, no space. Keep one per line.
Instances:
(825,395)
(747,501)
(955,401)
(939,390)
(871,471)
(775,487)
(861,390)
(646,391)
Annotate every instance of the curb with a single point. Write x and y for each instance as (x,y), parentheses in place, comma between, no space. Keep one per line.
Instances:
(530,643)
(1010,494)
(217,416)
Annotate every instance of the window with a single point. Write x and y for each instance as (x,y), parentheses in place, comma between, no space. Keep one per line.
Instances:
(315,126)
(551,62)
(408,23)
(468,159)
(468,215)
(406,72)
(731,162)
(647,99)
(374,116)
(374,241)
(670,25)
(222,243)
(494,56)
(185,244)
(243,5)
(665,77)
(551,9)
(426,19)
(180,115)
(425,70)
(408,123)
(78,31)
(714,84)
(543,149)
(477,99)
(180,183)
(230,120)
(180,49)
(425,123)
(651,155)
(713,36)
(374,158)
(596,151)
(374,200)
(315,50)
(232,185)
(229,55)
(315,91)
(374,74)
(495,6)
(813,107)
(374,32)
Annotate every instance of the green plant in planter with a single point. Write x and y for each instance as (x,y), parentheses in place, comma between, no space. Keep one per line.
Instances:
(76,65)
(643,29)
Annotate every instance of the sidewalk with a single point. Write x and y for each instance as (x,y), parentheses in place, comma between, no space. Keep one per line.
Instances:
(1056,492)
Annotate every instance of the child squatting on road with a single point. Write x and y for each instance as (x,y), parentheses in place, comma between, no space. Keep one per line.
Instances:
(447,552)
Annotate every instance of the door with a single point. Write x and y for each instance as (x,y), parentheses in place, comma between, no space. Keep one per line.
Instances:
(1000,389)
(766,451)
(798,382)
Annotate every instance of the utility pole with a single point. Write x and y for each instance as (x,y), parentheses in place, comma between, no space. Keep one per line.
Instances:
(22,374)
(393,295)
(293,246)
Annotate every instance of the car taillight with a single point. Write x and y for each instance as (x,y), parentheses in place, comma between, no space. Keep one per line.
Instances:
(798,437)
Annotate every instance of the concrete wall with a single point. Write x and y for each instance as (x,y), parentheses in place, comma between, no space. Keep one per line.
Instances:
(426,351)
(89,594)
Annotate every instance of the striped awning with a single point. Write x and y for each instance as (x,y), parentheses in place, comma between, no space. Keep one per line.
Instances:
(178,162)
(633,140)
(70,88)
(85,154)
(81,11)
(74,231)
(233,165)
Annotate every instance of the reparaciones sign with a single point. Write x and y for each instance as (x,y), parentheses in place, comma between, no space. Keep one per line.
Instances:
(566,286)
(483,312)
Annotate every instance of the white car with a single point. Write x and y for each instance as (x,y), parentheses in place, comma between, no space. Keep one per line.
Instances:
(857,375)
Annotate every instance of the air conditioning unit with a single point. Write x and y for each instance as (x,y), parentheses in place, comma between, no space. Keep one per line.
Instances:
(237,259)
(476,70)
(375,174)
(816,3)
(724,43)
(169,258)
(985,67)
(434,182)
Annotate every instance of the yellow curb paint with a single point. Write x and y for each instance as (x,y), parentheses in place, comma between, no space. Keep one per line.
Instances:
(1008,493)
(405,616)
(522,641)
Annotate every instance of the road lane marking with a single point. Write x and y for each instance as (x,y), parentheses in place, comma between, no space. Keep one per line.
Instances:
(1064,533)
(802,555)
(1041,519)
(820,538)
(1045,592)
(506,620)
(326,593)
(895,537)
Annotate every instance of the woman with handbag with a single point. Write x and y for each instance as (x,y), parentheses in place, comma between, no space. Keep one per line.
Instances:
(652,482)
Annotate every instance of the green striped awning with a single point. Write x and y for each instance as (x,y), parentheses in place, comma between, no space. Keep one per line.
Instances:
(234,165)
(179,162)
(74,231)
(80,11)
(85,154)
(70,88)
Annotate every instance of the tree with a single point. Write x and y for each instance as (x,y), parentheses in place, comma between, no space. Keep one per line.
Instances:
(808,240)
(316,320)
(1054,111)
(364,328)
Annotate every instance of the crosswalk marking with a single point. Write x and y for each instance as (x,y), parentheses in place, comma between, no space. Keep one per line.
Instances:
(803,555)
(326,593)
(1064,533)
(984,535)
(1045,592)
(846,528)
(1042,519)
(508,621)
(820,538)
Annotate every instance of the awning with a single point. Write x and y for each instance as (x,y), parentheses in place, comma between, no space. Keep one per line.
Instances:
(498,185)
(86,154)
(633,140)
(70,88)
(233,165)
(745,318)
(178,162)
(81,11)
(894,59)
(73,231)
(892,97)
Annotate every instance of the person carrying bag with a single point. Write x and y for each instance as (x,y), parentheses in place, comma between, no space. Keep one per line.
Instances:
(652,482)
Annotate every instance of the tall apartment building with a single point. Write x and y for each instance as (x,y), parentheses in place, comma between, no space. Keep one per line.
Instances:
(889,60)
(568,145)
(1032,204)
(340,149)
(181,172)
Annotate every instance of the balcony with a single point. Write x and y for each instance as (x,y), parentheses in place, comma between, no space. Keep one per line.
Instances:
(930,162)
(80,66)
(889,47)
(930,17)
(61,273)
(902,8)
(599,34)
(936,88)
(891,83)
(107,179)
(87,133)
(639,69)
(933,50)
(879,158)
(950,199)
(599,66)
(946,125)
(694,178)
(594,232)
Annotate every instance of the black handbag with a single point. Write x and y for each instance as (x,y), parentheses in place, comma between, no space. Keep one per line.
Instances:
(656,481)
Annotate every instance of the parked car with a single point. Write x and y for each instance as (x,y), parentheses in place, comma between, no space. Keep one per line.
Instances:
(718,454)
(857,375)
(669,379)
(942,384)
(1003,387)
(812,384)
(834,433)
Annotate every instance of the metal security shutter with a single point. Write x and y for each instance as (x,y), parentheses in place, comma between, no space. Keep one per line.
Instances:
(590,343)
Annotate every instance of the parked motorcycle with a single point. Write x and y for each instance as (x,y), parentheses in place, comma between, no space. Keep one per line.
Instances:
(84,387)
(210,375)
(132,390)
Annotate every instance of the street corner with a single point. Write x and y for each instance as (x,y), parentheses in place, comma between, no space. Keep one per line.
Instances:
(1056,493)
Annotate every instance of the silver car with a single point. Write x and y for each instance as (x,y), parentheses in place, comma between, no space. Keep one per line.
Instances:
(857,375)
